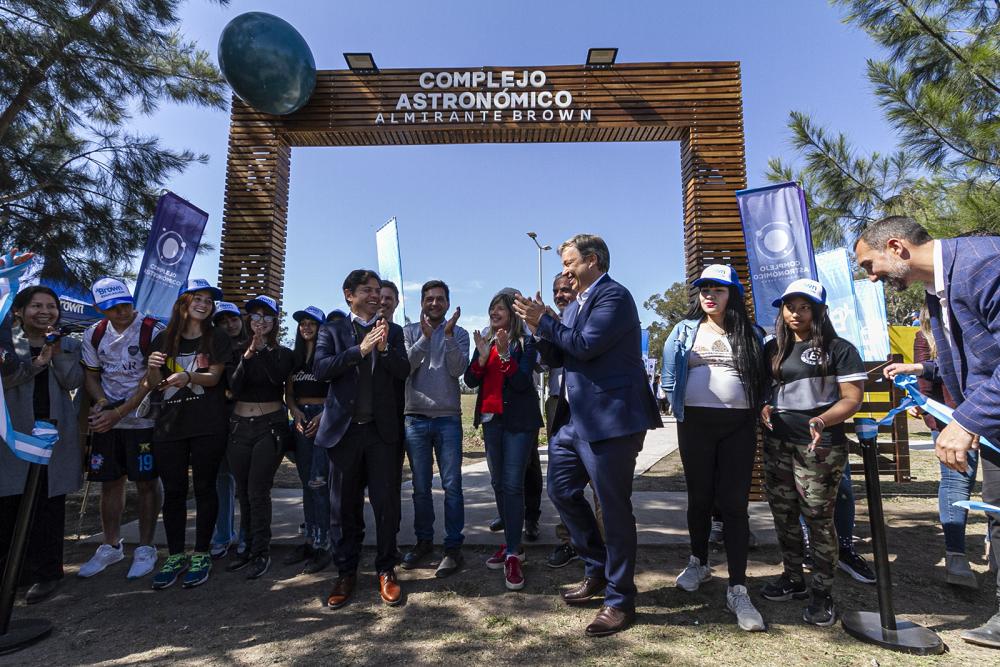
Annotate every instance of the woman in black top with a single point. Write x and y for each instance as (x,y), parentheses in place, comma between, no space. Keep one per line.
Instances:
(187,361)
(306,398)
(258,433)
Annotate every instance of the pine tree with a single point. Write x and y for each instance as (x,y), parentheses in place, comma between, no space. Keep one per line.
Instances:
(76,186)
(940,89)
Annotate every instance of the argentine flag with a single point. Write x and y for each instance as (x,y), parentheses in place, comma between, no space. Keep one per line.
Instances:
(37,447)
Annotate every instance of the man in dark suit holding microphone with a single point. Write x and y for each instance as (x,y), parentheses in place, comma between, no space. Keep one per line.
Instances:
(362,356)
(598,430)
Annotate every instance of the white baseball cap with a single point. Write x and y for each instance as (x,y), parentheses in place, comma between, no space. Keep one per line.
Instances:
(810,289)
(722,274)
(109,292)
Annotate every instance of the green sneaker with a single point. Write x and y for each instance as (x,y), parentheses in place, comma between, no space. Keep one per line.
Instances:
(197,574)
(175,565)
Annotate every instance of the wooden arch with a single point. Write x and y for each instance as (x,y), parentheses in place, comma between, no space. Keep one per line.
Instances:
(696,103)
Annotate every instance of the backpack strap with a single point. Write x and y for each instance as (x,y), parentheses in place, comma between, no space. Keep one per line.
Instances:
(146,334)
(99,331)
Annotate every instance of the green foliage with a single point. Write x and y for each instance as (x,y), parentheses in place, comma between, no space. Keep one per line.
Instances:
(75,185)
(940,89)
(670,307)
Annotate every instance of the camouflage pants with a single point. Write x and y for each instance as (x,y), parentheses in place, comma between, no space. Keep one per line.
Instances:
(800,482)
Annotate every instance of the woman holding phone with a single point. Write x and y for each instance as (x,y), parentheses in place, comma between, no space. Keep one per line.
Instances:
(186,364)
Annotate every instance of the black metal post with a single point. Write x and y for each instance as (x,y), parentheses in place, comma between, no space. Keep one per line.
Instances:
(885,629)
(15,635)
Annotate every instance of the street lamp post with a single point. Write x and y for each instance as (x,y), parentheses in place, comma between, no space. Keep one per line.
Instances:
(541,249)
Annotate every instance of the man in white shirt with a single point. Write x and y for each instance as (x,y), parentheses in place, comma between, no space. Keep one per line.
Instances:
(114,356)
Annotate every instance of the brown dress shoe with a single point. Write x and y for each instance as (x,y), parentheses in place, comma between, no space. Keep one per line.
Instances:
(343,588)
(610,620)
(389,588)
(585,590)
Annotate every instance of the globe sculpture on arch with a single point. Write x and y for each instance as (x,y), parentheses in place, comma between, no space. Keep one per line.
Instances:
(267,62)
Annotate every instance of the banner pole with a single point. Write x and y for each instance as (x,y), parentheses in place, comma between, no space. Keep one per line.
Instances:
(19,634)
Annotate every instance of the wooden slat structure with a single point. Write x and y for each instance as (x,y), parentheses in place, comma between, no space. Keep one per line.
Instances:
(696,103)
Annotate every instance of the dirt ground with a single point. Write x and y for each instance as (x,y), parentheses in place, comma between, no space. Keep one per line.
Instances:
(470,618)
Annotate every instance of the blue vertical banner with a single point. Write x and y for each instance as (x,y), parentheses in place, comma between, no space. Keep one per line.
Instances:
(834,268)
(645,342)
(872,319)
(778,241)
(390,263)
(173,243)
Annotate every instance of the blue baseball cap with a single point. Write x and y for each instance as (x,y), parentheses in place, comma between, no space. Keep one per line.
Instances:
(336,314)
(262,300)
(200,285)
(109,292)
(225,307)
(810,289)
(722,274)
(312,312)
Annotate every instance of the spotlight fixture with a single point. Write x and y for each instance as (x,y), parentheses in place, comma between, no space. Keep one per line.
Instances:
(601,58)
(361,63)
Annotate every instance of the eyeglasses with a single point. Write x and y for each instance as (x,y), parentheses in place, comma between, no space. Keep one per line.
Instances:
(257,317)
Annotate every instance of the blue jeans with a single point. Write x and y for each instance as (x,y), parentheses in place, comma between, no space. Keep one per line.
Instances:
(225,523)
(955,486)
(311,463)
(507,455)
(428,438)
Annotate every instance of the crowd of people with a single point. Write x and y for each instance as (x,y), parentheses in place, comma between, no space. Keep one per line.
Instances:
(214,397)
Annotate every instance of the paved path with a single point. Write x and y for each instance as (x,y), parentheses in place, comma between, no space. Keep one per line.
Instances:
(660,516)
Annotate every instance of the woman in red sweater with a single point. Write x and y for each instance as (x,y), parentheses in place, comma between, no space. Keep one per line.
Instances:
(507,407)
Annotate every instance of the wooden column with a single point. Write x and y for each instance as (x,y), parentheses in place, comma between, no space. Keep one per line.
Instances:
(255,214)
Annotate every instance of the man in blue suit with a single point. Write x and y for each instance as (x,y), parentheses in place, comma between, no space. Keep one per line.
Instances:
(599,428)
(362,356)
(962,280)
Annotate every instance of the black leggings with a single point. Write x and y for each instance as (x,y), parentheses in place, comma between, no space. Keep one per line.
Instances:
(203,454)
(256,447)
(44,558)
(717,449)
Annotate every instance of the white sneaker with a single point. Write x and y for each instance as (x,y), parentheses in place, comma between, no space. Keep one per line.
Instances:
(694,575)
(143,562)
(738,602)
(104,556)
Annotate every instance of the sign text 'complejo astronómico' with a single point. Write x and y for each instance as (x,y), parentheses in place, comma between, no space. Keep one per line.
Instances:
(505,96)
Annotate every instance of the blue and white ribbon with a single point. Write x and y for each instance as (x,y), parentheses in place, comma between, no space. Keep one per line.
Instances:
(37,447)
(939,411)
(976,505)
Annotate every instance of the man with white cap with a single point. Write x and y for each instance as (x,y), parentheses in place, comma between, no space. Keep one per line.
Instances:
(114,356)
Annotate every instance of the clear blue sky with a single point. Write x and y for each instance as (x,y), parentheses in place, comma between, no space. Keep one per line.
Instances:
(463,210)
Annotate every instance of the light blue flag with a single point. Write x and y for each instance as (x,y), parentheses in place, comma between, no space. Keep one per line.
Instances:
(834,272)
(37,447)
(872,320)
(390,263)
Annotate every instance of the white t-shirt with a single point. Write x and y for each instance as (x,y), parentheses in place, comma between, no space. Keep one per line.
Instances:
(713,381)
(121,363)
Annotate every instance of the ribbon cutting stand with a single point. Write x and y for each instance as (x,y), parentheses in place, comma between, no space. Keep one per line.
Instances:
(884,629)
(23,632)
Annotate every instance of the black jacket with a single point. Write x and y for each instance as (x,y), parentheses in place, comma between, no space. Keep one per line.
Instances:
(521,411)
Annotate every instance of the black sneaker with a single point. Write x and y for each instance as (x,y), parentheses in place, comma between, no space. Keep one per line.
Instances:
(320,560)
(716,537)
(784,589)
(258,566)
(420,550)
(561,556)
(302,552)
(239,561)
(450,564)
(856,566)
(531,531)
(496,525)
(807,558)
(820,611)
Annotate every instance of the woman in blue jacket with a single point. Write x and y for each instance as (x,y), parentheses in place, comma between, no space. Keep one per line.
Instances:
(715,378)
(507,407)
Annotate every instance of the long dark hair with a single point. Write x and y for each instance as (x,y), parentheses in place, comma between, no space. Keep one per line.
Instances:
(820,335)
(745,341)
(175,327)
